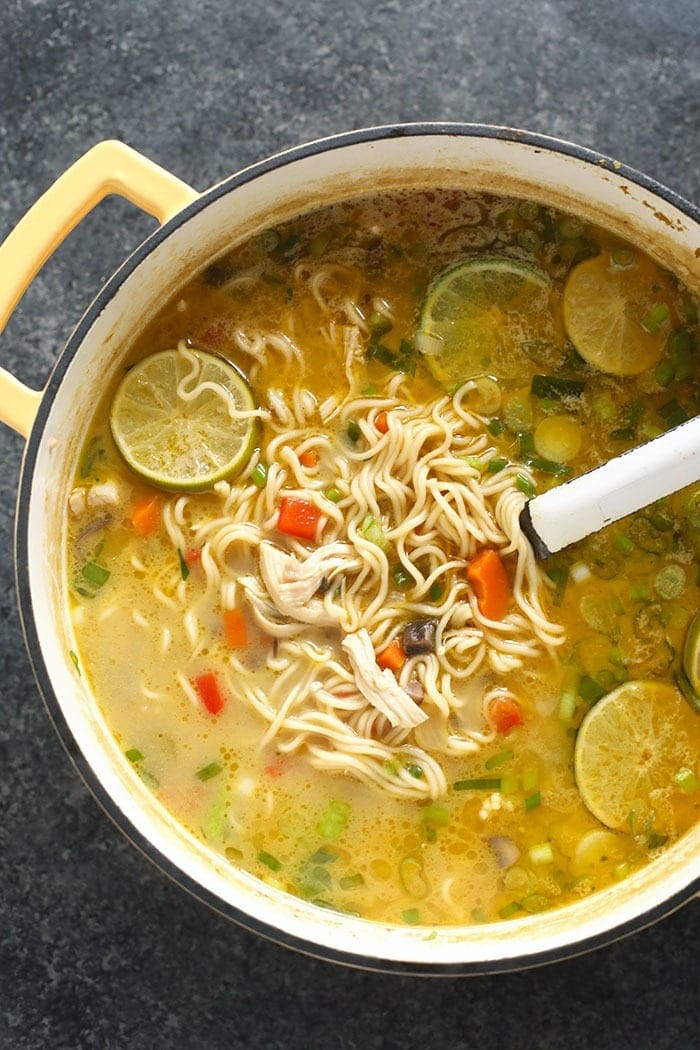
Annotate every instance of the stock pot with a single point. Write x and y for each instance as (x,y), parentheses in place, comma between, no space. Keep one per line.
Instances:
(193,228)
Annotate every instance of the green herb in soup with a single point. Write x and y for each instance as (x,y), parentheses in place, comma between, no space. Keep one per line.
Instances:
(300,590)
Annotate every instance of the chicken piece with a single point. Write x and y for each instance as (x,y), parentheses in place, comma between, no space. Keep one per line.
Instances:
(292,583)
(379,686)
(103,494)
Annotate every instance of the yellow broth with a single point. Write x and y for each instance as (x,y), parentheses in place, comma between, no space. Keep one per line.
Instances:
(327,837)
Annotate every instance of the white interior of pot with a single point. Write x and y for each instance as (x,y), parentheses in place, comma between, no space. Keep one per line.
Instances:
(478,163)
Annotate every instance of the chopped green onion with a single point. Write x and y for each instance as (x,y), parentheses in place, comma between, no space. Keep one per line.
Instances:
(548,466)
(272,863)
(621,871)
(541,853)
(333,494)
(497,760)
(134,755)
(533,801)
(681,347)
(478,784)
(334,820)
(402,360)
(622,257)
(258,474)
(567,706)
(670,582)
(411,917)
(656,840)
(184,567)
(495,466)
(372,531)
(324,856)
(640,592)
(673,413)
(624,544)
(509,785)
(415,771)
(269,239)
(319,243)
(76,662)
(523,483)
(687,781)
(559,575)
(285,246)
(589,690)
(95,574)
(534,903)
(148,779)
(664,372)
(529,240)
(350,882)
(438,816)
(509,909)
(401,578)
(655,318)
(353,430)
(436,592)
(530,778)
(93,453)
(556,388)
(495,427)
(369,391)
(207,772)
(475,462)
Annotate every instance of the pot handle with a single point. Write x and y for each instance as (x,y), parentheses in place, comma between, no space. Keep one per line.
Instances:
(109,167)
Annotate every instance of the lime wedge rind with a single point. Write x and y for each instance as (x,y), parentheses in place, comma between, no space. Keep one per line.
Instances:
(174,440)
(477,312)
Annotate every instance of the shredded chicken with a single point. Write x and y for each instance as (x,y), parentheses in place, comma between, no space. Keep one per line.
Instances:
(103,494)
(378,685)
(292,583)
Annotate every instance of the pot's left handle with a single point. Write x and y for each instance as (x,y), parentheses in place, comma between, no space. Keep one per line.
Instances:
(109,167)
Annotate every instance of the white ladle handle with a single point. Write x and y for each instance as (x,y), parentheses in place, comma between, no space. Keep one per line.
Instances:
(617,488)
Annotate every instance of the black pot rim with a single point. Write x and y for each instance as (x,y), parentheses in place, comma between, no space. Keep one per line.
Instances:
(543,143)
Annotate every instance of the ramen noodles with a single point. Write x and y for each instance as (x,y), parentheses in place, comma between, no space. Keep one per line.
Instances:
(300,591)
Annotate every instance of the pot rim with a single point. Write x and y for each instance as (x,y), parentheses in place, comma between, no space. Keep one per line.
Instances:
(543,143)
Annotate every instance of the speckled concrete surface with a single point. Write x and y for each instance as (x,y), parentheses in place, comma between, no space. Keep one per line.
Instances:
(98,949)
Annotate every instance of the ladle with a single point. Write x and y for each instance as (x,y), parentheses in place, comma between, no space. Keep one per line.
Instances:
(607,493)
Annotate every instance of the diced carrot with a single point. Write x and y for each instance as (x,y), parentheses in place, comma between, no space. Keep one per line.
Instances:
(505,713)
(393,657)
(209,692)
(274,769)
(487,575)
(381,422)
(298,517)
(309,458)
(145,515)
(235,629)
(193,556)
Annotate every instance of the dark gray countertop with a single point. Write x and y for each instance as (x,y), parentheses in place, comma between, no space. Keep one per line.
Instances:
(98,948)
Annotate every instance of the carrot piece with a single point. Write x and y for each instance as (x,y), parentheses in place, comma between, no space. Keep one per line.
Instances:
(235,629)
(487,575)
(381,422)
(274,769)
(309,458)
(505,713)
(393,657)
(298,517)
(193,556)
(145,515)
(209,692)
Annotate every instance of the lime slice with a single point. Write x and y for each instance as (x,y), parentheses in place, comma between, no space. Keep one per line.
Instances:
(616,316)
(184,419)
(627,751)
(479,314)
(691,653)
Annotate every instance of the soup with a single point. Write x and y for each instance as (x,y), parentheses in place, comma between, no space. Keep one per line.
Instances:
(300,592)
